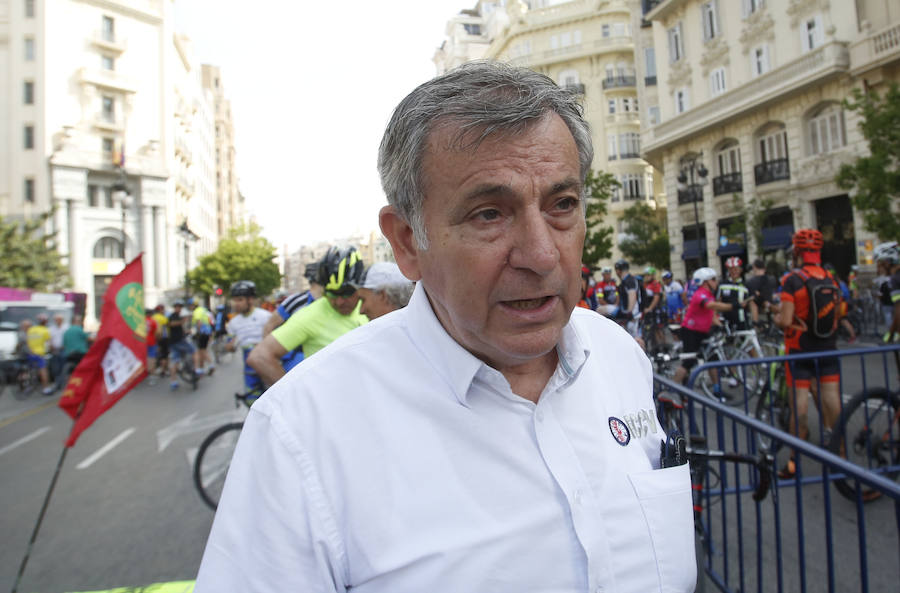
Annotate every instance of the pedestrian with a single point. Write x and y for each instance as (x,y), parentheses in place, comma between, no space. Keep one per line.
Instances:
(38,341)
(384,289)
(162,338)
(75,346)
(57,329)
(762,289)
(490,436)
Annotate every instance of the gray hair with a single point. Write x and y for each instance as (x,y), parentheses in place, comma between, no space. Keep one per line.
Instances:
(482,96)
(398,295)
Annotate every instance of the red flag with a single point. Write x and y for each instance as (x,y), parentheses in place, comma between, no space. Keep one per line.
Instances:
(117,361)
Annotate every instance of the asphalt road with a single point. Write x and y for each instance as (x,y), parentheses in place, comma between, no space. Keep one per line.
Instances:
(128,516)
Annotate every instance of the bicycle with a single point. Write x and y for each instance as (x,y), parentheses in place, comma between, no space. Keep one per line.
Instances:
(867,433)
(221,353)
(773,406)
(735,384)
(215,452)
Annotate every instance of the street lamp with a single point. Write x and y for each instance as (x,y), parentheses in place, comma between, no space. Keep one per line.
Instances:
(187,235)
(694,191)
(121,195)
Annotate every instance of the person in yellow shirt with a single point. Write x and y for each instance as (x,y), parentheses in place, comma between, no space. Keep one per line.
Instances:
(162,338)
(201,321)
(38,341)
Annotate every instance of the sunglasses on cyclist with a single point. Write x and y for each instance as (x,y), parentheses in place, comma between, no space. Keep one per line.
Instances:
(343,292)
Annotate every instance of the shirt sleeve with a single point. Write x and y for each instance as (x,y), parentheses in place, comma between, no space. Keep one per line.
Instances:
(789,286)
(294,331)
(273,530)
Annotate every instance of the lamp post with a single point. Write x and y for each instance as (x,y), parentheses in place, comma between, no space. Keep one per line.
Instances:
(695,190)
(121,195)
(187,235)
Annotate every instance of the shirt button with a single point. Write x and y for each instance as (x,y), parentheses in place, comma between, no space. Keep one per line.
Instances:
(539,415)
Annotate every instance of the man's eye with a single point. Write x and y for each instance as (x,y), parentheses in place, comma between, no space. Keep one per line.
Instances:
(566,204)
(488,214)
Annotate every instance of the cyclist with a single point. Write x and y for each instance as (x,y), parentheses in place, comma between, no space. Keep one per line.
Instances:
(761,290)
(699,317)
(673,290)
(888,255)
(810,308)
(246,328)
(654,313)
(629,299)
(38,339)
(734,291)
(201,321)
(320,323)
(162,338)
(179,346)
(152,350)
(607,287)
(588,290)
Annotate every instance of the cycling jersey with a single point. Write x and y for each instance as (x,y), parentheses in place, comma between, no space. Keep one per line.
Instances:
(316,326)
(162,325)
(673,298)
(247,329)
(200,320)
(734,293)
(793,289)
(292,303)
(698,316)
(608,288)
(38,338)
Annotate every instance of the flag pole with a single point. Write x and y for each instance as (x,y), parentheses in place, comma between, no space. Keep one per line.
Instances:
(40,520)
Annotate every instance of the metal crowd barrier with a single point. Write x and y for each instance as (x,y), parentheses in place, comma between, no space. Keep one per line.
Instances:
(804,535)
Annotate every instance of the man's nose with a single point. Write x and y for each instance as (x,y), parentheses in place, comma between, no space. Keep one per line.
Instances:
(533,243)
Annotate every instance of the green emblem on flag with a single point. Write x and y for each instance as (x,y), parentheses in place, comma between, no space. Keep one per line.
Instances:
(130,302)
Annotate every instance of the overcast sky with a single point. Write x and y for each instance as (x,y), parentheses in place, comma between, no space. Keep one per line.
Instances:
(312,85)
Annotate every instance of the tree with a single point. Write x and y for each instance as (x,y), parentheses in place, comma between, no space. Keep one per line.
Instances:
(647,237)
(242,255)
(876,178)
(28,256)
(750,221)
(598,240)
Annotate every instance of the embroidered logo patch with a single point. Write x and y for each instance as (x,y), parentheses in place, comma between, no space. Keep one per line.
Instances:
(619,431)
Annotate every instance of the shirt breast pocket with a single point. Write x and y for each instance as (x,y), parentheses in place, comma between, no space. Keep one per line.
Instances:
(665,499)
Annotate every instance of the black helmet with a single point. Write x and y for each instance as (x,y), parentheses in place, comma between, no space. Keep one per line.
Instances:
(340,271)
(243,288)
(621,265)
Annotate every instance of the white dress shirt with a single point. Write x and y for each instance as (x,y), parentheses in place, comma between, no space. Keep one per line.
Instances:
(395,461)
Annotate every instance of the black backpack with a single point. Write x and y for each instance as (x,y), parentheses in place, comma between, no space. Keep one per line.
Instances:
(824,304)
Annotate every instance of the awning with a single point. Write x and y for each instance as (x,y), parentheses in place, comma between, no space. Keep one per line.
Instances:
(777,237)
(731,249)
(693,249)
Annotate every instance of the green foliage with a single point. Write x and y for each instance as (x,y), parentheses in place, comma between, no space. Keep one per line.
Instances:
(876,178)
(751,220)
(28,256)
(647,241)
(242,255)
(598,240)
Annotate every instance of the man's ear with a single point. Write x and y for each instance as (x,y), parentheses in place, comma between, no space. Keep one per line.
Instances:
(400,236)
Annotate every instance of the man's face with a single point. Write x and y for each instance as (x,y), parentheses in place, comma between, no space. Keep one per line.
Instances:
(240,304)
(620,272)
(178,309)
(343,304)
(58,320)
(506,230)
(374,303)
(734,272)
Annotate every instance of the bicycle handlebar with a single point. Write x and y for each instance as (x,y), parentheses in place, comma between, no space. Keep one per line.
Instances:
(763,462)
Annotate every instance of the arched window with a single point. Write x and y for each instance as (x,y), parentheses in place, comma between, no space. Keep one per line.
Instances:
(825,129)
(108,248)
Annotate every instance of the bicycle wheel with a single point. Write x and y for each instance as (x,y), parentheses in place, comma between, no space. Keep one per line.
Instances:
(868,434)
(186,372)
(741,381)
(773,408)
(27,379)
(213,459)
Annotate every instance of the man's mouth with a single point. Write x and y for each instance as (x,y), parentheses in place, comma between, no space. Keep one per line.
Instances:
(527,304)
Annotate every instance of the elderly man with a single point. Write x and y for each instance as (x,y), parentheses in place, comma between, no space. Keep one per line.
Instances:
(384,289)
(485,437)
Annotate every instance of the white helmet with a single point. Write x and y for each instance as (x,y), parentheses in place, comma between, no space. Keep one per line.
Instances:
(888,252)
(701,275)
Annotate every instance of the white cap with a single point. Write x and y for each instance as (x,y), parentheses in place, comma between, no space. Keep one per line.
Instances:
(382,273)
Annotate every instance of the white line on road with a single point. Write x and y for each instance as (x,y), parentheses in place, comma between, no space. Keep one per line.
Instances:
(105,449)
(24,440)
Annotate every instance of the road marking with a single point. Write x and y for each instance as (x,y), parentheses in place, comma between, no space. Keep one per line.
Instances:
(191,425)
(105,449)
(23,415)
(24,440)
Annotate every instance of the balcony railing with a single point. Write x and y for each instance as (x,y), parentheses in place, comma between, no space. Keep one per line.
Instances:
(727,184)
(619,82)
(774,170)
(109,79)
(634,197)
(629,155)
(693,193)
(876,49)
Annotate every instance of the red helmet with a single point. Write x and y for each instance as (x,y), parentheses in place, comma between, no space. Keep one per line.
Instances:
(808,244)
(733,262)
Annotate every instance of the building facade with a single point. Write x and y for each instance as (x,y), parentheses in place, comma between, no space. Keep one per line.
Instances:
(750,94)
(230,202)
(588,46)
(103,116)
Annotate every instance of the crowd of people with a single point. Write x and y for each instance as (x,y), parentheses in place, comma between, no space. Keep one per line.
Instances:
(51,349)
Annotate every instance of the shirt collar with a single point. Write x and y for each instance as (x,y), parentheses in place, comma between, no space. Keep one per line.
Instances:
(457,366)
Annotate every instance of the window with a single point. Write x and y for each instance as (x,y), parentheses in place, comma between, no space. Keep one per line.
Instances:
(717,82)
(28,190)
(812,33)
(29,49)
(710,20)
(682,102)
(630,145)
(472,29)
(108,248)
(759,60)
(28,137)
(773,146)
(751,6)
(612,147)
(653,115)
(612,105)
(108,29)
(826,130)
(107,62)
(676,46)
(29,9)
(108,145)
(107,193)
(729,160)
(93,192)
(650,61)
(604,30)
(108,110)
(28,92)
(632,186)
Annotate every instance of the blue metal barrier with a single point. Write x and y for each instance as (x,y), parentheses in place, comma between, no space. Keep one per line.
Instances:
(801,537)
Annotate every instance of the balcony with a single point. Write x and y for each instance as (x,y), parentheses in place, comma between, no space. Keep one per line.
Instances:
(774,170)
(729,183)
(618,82)
(108,122)
(875,50)
(693,193)
(629,155)
(109,41)
(810,70)
(634,197)
(107,79)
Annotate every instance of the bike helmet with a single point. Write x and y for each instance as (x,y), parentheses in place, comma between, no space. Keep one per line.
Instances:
(701,275)
(243,288)
(649,271)
(585,272)
(889,252)
(178,303)
(666,274)
(607,270)
(341,271)
(621,265)
(808,244)
(734,262)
